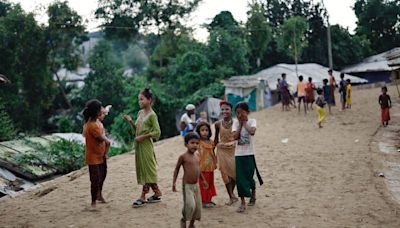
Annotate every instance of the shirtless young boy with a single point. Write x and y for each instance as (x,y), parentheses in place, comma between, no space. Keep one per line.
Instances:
(191,173)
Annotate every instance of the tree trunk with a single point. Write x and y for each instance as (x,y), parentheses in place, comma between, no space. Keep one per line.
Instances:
(62,90)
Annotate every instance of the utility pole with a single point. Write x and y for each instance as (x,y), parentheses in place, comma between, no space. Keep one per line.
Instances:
(329,37)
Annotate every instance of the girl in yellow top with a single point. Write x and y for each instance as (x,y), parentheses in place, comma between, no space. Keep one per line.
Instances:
(348,94)
(208,163)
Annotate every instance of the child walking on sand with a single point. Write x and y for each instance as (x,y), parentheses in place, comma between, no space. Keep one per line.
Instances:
(348,94)
(225,142)
(191,173)
(320,107)
(146,129)
(208,163)
(96,147)
(386,104)
(244,130)
(310,87)
(327,94)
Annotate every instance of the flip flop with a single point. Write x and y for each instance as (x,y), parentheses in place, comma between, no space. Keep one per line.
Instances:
(154,199)
(252,202)
(139,203)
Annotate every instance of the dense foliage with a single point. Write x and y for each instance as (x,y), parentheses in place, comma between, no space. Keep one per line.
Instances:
(146,44)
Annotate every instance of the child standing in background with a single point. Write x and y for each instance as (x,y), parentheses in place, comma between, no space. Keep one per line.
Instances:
(348,94)
(386,104)
(320,107)
(301,93)
(310,87)
(327,94)
(208,163)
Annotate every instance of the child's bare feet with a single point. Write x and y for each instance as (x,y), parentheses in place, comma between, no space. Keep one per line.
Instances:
(183,223)
(93,205)
(101,199)
(191,225)
(232,201)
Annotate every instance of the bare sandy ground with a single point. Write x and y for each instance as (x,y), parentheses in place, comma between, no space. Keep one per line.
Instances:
(319,178)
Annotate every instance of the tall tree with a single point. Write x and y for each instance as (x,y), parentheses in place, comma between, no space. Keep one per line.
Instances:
(346,48)
(23,60)
(125,19)
(65,33)
(379,21)
(259,34)
(277,11)
(227,48)
(105,81)
(293,36)
(317,49)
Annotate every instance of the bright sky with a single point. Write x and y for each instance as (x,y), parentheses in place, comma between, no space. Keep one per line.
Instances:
(340,12)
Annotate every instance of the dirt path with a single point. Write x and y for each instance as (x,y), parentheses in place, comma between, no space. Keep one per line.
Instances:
(319,178)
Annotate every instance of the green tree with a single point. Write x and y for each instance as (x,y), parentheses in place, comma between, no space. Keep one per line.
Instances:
(379,21)
(23,60)
(227,49)
(135,58)
(105,81)
(317,49)
(7,130)
(346,48)
(293,36)
(190,73)
(124,19)
(259,34)
(65,33)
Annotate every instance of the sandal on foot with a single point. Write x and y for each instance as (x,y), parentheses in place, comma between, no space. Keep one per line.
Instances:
(154,199)
(139,203)
(252,202)
(208,205)
(241,209)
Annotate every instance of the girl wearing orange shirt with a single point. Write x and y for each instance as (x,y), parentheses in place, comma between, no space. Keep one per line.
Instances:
(208,163)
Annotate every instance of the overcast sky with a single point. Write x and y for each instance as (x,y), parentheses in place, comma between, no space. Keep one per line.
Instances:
(340,12)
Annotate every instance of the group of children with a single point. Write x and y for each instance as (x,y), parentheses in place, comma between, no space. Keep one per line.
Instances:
(232,151)
(305,94)
(234,157)
(145,128)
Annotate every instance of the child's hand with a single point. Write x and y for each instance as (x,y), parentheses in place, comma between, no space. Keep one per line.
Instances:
(174,188)
(205,184)
(127,118)
(140,139)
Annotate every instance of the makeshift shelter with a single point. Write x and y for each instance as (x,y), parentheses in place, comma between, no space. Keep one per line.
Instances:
(245,88)
(252,88)
(210,105)
(377,68)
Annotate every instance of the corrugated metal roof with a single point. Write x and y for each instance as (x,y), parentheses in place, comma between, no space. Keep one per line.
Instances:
(375,63)
(315,71)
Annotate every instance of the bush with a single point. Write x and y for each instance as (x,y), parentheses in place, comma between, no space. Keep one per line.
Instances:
(7,129)
(65,125)
(62,155)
